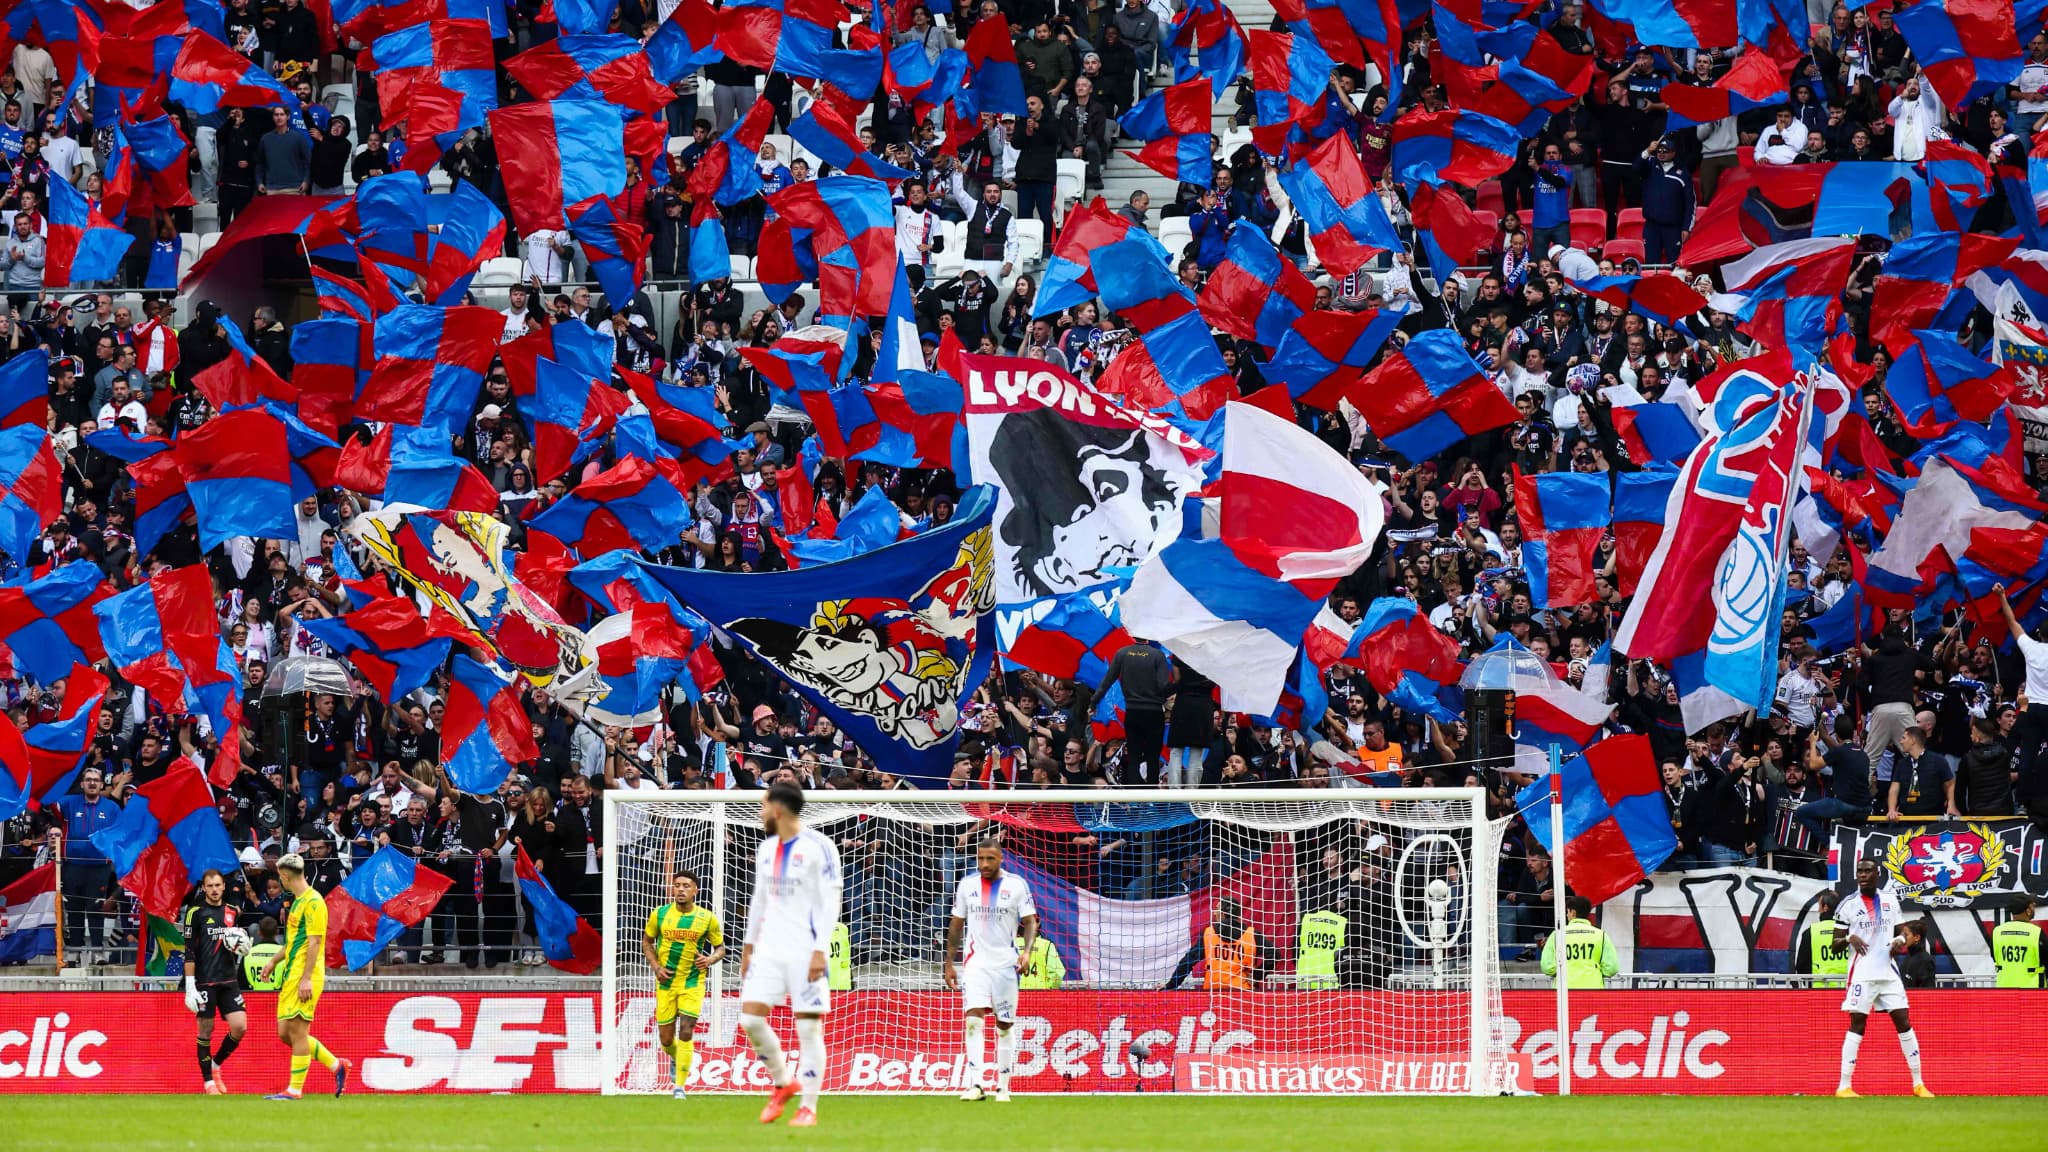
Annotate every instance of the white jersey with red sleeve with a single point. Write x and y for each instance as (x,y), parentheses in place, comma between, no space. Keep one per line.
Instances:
(991,910)
(1872,921)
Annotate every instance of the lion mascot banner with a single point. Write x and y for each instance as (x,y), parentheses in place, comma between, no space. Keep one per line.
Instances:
(887,643)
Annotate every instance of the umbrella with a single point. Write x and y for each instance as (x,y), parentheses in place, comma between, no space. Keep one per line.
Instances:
(295,674)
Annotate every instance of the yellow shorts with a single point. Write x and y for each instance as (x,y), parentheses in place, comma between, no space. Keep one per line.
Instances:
(289,1005)
(669,1004)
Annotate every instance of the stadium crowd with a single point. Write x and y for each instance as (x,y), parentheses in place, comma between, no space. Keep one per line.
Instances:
(1928,718)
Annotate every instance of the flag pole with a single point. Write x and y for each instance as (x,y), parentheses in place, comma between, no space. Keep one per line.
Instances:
(1557,891)
(57,883)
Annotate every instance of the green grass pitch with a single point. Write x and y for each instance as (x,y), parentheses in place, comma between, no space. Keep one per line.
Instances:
(1122,1123)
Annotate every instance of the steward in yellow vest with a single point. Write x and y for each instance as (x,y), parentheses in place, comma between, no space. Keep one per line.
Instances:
(1588,954)
(1315,956)
(1819,953)
(2016,948)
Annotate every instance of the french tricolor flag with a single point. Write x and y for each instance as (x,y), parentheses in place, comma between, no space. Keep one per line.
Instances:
(28,917)
(1296,518)
(1112,942)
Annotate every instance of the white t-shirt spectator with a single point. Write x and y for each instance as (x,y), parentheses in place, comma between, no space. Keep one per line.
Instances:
(132,411)
(1777,145)
(2033,86)
(61,154)
(2035,654)
(547,255)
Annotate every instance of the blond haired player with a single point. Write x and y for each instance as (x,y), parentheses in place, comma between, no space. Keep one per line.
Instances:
(681,943)
(304,960)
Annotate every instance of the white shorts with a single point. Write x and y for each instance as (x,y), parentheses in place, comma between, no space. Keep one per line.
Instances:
(770,980)
(1885,994)
(992,988)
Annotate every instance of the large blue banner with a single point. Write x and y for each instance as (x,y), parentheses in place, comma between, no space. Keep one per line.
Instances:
(887,643)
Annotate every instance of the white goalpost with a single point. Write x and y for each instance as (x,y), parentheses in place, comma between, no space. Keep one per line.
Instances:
(1244,941)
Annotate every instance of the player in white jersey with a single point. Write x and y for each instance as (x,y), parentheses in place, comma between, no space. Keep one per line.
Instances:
(790,921)
(992,906)
(1869,922)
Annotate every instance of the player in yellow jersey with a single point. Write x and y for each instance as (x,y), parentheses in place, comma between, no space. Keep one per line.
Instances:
(305,972)
(681,943)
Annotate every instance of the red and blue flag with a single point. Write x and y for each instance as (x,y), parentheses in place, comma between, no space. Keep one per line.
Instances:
(57,749)
(486,731)
(607,67)
(1428,395)
(566,939)
(48,623)
(1616,826)
(1452,146)
(1322,356)
(1256,293)
(31,488)
(167,835)
(1563,516)
(1337,202)
(83,245)
(635,504)
(381,898)
(237,469)
(1938,377)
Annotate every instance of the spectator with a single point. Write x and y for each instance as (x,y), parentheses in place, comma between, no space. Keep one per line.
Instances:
(284,156)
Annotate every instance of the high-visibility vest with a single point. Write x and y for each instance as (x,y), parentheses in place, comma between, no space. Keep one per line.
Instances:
(1585,955)
(2016,950)
(839,960)
(252,968)
(1827,957)
(1315,958)
(1046,969)
(1228,963)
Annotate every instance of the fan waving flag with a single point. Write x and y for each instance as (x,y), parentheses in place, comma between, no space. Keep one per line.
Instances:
(568,942)
(167,835)
(1428,395)
(1563,516)
(390,645)
(1346,222)
(31,487)
(1255,293)
(83,245)
(887,644)
(487,731)
(1617,830)
(49,624)
(57,750)
(381,898)
(1451,146)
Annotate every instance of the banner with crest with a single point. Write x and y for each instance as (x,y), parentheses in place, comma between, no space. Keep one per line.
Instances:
(1969,863)
(888,643)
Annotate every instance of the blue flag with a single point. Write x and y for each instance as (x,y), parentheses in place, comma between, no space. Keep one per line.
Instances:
(887,643)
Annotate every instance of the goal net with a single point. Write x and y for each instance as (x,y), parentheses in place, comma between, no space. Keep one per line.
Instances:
(1197,943)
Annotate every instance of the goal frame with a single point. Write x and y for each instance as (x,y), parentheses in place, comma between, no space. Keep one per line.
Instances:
(1483,906)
